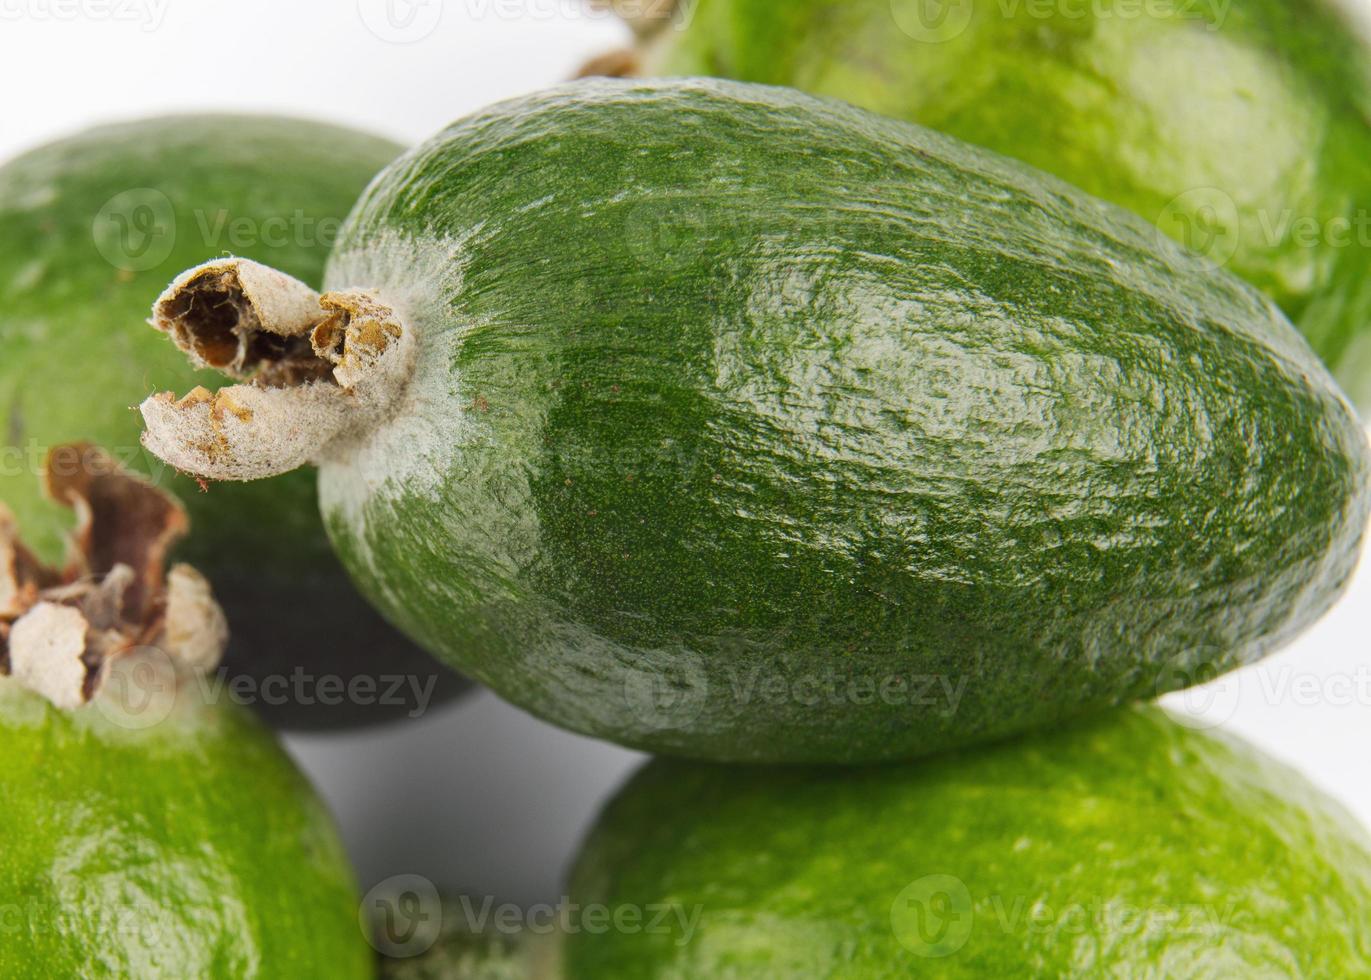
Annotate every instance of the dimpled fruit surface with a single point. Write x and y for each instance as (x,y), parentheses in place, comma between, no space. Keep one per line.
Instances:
(1240,127)
(163,837)
(820,436)
(1128,846)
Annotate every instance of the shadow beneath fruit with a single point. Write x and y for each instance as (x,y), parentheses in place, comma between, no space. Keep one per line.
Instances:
(320,659)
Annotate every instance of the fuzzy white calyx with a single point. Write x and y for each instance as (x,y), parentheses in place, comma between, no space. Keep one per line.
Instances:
(242,432)
(229,313)
(320,369)
(195,631)
(46,647)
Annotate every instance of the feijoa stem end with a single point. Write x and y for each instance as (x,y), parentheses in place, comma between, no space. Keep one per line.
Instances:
(314,369)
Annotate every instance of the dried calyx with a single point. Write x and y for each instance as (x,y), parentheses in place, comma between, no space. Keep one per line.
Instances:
(315,371)
(649,21)
(647,18)
(618,63)
(60,629)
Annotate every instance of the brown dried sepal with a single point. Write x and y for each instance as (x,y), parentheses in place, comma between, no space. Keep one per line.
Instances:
(619,63)
(61,629)
(354,335)
(22,576)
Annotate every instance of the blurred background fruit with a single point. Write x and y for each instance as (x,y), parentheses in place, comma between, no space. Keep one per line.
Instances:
(92,227)
(1129,845)
(1239,127)
(152,834)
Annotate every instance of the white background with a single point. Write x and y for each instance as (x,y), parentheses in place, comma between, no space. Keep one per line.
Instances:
(478,796)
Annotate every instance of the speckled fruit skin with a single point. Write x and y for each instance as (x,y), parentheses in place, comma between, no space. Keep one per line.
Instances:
(186,848)
(752,426)
(1127,846)
(91,229)
(1243,128)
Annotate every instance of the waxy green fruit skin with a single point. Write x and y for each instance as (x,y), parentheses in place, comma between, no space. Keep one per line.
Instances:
(1127,846)
(1243,128)
(191,847)
(92,228)
(747,425)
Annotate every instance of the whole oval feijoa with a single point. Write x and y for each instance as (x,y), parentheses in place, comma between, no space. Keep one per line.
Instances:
(90,224)
(724,421)
(1242,128)
(153,834)
(1126,846)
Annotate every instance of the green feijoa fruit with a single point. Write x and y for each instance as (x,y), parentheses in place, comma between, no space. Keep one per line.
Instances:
(163,836)
(1241,128)
(90,224)
(720,420)
(1127,845)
